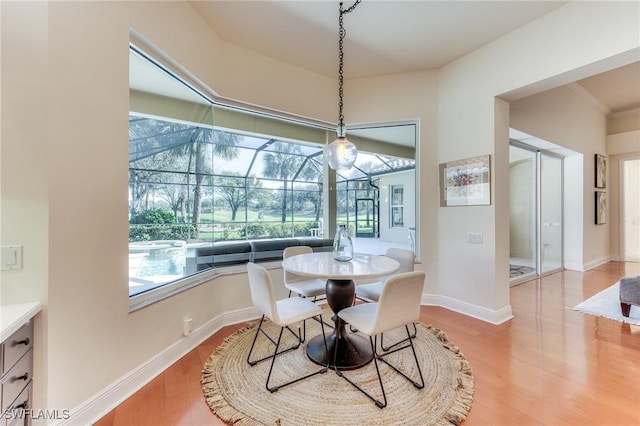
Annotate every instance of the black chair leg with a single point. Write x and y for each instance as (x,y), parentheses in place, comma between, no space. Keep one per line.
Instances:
(273,360)
(261,330)
(412,336)
(418,385)
(379,404)
(380,357)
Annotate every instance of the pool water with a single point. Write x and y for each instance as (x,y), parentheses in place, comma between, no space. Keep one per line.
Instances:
(166,262)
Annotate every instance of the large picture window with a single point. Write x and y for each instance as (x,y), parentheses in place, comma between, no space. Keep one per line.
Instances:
(207,182)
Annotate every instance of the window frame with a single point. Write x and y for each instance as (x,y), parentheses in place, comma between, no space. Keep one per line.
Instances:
(142,46)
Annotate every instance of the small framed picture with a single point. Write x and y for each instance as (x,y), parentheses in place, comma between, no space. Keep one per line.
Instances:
(601,207)
(601,171)
(466,182)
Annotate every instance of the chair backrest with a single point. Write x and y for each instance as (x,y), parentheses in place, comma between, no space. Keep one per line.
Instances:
(262,292)
(293,251)
(405,258)
(399,303)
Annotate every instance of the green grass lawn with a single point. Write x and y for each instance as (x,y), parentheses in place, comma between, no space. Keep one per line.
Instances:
(221,216)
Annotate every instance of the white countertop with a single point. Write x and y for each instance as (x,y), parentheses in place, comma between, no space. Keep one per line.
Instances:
(323,265)
(12,317)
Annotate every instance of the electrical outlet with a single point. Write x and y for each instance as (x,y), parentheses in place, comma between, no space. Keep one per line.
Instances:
(474,237)
(186,325)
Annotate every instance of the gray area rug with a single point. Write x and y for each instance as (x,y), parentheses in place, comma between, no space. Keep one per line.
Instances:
(607,304)
(236,392)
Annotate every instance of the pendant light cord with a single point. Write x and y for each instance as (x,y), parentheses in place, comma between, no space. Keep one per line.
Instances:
(342,33)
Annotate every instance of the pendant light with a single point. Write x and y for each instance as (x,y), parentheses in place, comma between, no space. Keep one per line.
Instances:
(341,154)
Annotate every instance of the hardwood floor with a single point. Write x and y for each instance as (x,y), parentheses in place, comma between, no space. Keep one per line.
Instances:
(550,365)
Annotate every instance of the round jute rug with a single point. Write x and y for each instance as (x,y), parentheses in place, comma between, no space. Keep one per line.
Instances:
(236,392)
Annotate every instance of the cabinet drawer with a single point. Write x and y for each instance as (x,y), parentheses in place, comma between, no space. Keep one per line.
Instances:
(18,407)
(17,345)
(16,379)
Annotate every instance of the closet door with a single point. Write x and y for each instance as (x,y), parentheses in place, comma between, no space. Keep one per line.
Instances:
(523,212)
(550,213)
(536,198)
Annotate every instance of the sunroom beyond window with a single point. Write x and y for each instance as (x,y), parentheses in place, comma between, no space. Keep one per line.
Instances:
(190,186)
(212,186)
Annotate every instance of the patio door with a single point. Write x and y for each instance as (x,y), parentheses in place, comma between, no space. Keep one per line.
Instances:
(366,218)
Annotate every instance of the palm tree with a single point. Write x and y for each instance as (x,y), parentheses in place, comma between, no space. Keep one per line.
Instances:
(160,148)
(151,146)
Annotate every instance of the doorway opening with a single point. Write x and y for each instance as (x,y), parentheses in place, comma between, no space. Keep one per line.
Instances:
(367,217)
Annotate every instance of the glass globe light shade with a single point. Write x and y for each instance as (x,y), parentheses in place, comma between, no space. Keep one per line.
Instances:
(341,154)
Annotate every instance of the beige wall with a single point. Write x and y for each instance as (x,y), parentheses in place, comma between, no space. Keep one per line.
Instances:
(64,163)
(393,98)
(24,180)
(624,122)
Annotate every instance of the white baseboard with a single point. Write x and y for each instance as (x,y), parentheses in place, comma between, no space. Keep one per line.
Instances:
(596,262)
(430,300)
(494,317)
(487,315)
(579,267)
(117,392)
(583,267)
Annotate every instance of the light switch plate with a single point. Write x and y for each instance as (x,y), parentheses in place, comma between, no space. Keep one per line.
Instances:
(474,237)
(11,258)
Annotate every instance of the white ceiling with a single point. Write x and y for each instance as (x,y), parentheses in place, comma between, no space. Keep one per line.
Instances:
(383,37)
(387,37)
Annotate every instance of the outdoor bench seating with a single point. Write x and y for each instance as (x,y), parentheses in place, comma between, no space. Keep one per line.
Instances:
(265,250)
(226,253)
(222,254)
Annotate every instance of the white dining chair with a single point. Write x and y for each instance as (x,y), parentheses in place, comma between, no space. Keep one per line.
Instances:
(398,306)
(283,313)
(303,286)
(371,292)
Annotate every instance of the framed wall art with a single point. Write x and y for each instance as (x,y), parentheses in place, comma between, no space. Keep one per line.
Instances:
(601,171)
(466,182)
(601,207)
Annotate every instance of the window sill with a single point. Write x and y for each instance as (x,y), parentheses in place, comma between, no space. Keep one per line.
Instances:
(153,296)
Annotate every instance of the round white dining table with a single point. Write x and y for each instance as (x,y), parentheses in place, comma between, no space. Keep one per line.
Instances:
(351,350)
